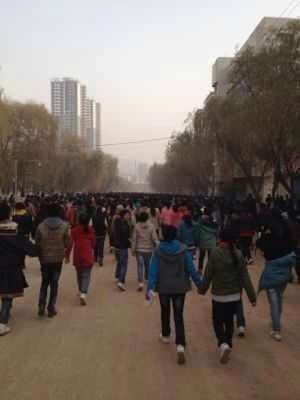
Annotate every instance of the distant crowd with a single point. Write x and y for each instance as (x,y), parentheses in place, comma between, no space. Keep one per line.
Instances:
(175,239)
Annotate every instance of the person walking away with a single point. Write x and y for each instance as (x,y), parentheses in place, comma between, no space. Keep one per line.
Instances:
(121,239)
(187,234)
(52,239)
(227,273)
(277,246)
(144,239)
(176,217)
(155,219)
(83,240)
(171,268)
(100,228)
(166,214)
(24,221)
(13,249)
(247,232)
(207,238)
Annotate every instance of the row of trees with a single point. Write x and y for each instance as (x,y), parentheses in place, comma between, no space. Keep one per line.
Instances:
(252,132)
(32,159)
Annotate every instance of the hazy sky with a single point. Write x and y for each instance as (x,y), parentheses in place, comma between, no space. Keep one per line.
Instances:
(148,62)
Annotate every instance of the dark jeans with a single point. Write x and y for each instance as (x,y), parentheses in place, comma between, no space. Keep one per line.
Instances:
(223,314)
(122,264)
(245,246)
(202,257)
(178,306)
(99,248)
(84,279)
(5,310)
(50,277)
(240,316)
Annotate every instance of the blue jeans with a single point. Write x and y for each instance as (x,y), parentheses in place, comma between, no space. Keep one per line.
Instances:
(83,279)
(122,263)
(143,263)
(275,297)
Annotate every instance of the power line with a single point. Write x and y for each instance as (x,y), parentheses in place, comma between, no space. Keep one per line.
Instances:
(294,8)
(135,142)
(287,8)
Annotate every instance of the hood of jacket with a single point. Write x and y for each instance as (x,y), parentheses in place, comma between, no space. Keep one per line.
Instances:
(54,223)
(171,248)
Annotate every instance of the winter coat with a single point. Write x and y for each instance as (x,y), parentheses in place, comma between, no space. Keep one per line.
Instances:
(207,234)
(84,244)
(171,268)
(13,249)
(144,237)
(52,238)
(99,224)
(121,234)
(226,277)
(187,234)
(277,272)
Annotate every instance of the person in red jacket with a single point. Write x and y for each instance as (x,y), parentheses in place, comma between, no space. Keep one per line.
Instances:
(83,240)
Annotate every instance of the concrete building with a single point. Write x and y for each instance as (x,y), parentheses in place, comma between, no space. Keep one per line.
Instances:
(75,112)
(66,105)
(93,125)
(221,68)
(221,85)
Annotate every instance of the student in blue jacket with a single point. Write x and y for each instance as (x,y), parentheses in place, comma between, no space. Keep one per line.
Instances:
(171,268)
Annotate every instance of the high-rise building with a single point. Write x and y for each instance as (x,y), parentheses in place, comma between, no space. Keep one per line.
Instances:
(66,105)
(93,124)
(98,126)
(76,114)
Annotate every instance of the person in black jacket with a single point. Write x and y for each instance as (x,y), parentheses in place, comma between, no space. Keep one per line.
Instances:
(121,239)
(13,249)
(100,228)
(24,221)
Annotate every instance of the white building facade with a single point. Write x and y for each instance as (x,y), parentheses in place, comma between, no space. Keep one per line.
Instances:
(75,113)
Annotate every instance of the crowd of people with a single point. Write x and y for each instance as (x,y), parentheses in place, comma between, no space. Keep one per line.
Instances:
(175,240)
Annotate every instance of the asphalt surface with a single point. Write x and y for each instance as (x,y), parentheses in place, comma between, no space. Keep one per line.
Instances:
(109,350)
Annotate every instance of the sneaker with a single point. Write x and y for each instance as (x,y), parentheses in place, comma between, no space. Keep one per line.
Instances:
(164,339)
(180,355)
(121,286)
(52,313)
(141,287)
(276,336)
(41,312)
(241,331)
(4,329)
(225,351)
(83,299)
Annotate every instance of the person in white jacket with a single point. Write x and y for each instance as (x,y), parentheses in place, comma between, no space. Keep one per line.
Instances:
(144,240)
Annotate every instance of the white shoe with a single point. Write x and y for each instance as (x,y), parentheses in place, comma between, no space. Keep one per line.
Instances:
(4,329)
(164,339)
(121,286)
(141,287)
(225,351)
(276,336)
(241,331)
(180,355)
(83,299)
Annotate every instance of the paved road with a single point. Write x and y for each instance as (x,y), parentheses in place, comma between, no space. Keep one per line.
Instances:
(109,350)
